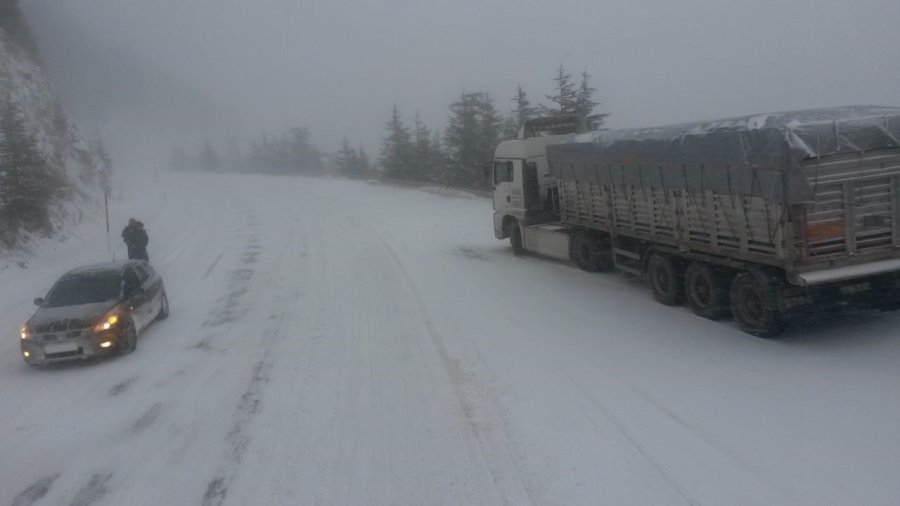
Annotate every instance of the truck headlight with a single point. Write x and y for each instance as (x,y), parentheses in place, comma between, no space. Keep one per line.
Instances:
(106,323)
(25,332)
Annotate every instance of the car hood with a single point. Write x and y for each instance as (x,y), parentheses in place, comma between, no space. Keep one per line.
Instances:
(51,319)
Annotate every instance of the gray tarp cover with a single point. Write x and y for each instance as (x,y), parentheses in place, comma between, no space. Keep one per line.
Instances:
(752,155)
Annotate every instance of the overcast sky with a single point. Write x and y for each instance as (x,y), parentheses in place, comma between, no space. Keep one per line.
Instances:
(338,66)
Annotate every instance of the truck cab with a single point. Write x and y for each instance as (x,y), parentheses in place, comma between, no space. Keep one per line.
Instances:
(523,187)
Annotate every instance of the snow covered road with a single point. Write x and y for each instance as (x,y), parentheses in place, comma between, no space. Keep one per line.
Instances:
(338,342)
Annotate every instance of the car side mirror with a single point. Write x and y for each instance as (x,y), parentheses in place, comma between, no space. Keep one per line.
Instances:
(134,291)
(38,301)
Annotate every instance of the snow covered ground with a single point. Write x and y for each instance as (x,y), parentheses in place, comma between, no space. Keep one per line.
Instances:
(340,342)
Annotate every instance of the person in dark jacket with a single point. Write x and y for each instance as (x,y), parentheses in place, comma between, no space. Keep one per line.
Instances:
(136,239)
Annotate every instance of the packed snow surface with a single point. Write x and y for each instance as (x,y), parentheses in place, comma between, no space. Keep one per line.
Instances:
(337,342)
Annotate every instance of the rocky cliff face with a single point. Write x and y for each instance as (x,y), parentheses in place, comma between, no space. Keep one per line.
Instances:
(24,83)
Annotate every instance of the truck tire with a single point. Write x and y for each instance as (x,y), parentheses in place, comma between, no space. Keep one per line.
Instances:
(515,238)
(706,291)
(885,293)
(591,253)
(754,303)
(666,279)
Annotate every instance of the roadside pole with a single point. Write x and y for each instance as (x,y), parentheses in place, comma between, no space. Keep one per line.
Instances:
(106,206)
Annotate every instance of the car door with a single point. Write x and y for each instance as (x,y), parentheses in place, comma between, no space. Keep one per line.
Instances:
(152,283)
(137,296)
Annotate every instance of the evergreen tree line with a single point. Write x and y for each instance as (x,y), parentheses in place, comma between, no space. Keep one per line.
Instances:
(460,156)
(30,183)
(290,153)
(352,162)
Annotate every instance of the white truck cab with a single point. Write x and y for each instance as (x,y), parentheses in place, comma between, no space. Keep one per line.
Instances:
(522,181)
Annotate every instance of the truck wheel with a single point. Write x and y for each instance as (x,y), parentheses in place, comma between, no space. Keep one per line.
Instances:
(706,291)
(515,238)
(666,279)
(755,305)
(591,253)
(885,294)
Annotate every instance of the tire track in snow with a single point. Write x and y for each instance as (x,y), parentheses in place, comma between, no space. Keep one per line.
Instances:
(249,404)
(122,386)
(633,442)
(470,396)
(148,418)
(233,306)
(93,491)
(35,492)
(707,440)
(212,266)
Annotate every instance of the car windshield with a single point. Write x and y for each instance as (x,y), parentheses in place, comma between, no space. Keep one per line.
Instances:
(84,289)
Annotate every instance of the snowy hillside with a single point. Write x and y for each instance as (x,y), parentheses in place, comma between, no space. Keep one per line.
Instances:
(24,82)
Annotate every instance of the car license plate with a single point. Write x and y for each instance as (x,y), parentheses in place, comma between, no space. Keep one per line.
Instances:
(52,349)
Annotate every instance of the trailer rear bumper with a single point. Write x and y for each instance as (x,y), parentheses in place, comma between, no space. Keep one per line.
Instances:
(849,272)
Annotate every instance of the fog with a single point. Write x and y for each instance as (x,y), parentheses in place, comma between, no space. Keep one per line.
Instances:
(162,70)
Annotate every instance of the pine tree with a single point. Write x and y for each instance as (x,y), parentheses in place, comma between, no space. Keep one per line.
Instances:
(438,163)
(491,130)
(565,98)
(422,151)
(234,159)
(347,160)
(302,155)
(208,159)
(523,111)
(585,104)
(104,167)
(365,165)
(17,30)
(396,149)
(473,131)
(27,183)
(179,162)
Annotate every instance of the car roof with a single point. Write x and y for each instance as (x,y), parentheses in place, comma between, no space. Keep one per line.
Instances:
(107,267)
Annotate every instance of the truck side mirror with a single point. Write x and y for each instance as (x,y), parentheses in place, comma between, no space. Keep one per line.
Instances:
(38,301)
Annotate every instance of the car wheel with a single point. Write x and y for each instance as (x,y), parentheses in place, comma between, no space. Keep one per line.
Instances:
(129,340)
(755,307)
(666,279)
(163,307)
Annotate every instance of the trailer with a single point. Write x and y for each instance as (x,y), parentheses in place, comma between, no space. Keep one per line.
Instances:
(760,217)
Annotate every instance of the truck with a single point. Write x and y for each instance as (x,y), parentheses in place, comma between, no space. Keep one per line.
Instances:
(763,217)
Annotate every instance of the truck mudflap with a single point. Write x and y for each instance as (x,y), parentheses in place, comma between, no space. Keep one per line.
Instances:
(846,273)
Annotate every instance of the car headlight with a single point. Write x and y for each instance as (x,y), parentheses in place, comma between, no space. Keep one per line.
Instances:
(108,322)
(25,332)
